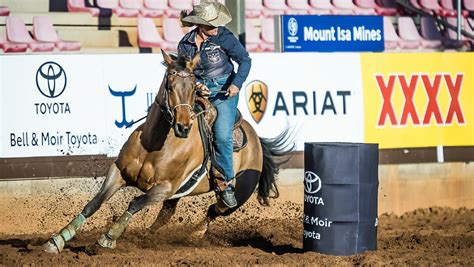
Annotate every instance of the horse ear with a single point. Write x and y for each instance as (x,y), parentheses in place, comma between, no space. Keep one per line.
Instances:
(194,62)
(166,57)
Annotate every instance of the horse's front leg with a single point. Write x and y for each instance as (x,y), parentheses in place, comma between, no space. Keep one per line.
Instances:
(156,194)
(112,183)
(166,212)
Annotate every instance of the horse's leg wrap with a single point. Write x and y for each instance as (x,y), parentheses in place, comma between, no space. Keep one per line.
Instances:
(108,240)
(68,232)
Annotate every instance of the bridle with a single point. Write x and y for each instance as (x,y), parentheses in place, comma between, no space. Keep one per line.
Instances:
(165,107)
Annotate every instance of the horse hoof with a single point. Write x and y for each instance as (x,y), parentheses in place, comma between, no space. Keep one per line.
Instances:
(201,230)
(153,229)
(50,247)
(198,234)
(105,242)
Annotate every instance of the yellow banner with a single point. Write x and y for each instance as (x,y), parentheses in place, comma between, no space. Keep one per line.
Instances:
(418,99)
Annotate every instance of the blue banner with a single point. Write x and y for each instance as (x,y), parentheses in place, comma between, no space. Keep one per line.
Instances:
(303,33)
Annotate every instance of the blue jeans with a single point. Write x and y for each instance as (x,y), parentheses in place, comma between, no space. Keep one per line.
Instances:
(226,112)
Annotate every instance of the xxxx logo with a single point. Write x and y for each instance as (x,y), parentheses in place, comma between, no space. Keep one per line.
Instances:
(431,86)
(256,95)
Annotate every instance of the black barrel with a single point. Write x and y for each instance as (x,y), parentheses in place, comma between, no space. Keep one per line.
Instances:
(340,201)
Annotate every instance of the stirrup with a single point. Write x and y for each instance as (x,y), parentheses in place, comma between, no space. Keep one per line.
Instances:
(228,198)
(222,184)
(225,189)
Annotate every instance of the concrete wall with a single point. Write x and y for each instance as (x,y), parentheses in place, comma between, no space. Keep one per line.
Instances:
(402,188)
(407,187)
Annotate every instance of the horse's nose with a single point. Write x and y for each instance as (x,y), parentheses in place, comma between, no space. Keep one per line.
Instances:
(183,128)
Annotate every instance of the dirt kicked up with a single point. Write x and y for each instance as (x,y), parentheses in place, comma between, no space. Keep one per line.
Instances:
(253,235)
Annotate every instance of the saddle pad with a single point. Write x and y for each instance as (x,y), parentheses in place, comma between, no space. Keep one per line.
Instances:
(239,139)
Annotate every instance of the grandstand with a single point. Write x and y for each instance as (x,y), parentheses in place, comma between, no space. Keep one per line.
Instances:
(133,26)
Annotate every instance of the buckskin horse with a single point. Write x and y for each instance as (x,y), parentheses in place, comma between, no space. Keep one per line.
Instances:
(165,155)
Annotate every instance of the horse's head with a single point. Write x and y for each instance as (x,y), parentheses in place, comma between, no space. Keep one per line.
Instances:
(179,93)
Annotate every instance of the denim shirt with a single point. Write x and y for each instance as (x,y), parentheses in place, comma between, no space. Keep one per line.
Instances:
(216,54)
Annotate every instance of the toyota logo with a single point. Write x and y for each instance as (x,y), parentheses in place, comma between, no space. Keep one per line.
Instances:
(51,79)
(312,182)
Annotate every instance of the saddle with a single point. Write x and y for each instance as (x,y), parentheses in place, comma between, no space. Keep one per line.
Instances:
(207,115)
(239,136)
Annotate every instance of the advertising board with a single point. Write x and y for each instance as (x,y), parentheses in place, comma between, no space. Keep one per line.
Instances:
(330,33)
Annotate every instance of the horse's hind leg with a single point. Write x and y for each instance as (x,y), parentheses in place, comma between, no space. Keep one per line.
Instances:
(247,181)
(166,212)
(112,183)
(156,194)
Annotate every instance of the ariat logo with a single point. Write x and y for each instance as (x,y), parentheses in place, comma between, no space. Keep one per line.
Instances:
(419,115)
(257,95)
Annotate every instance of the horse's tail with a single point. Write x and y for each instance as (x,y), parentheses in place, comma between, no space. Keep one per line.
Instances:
(272,148)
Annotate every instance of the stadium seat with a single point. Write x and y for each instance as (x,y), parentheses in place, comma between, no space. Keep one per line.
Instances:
(321,7)
(372,4)
(17,33)
(131,4)
(172,33)
(119,11)
(415,4)
(449,10)
(469,5)
(347,7)
(4,11)
(148,35)
(274,7)
(154,8)
(253,8)
(43,31)
(430,31)
(195,2)
(436,8)
(452,34)
(300,7)
(175,7)
(79,6)
(387,4)
(252,40)
(392,40)
(9,47)
(408,32)
(268,35)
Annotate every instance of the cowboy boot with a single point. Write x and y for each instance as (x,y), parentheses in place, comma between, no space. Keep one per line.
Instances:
(225,190)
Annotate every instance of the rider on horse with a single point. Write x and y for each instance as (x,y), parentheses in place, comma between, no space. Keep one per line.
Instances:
(217,80)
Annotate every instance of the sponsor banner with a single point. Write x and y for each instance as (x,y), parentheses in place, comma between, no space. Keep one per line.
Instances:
(55,105)
(319,96)
(129,90)
(2,97)
(303,33)
(74,104)
(418,100)
(51,105)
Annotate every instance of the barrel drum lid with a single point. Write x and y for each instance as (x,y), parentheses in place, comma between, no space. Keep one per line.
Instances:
(340,198)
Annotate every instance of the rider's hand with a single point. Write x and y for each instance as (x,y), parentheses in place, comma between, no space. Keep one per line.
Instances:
(232,91)
(202,90)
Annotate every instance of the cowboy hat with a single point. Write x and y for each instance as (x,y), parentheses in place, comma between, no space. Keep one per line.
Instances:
(207,13)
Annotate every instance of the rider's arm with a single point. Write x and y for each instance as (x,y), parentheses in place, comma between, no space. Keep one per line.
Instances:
(237,53)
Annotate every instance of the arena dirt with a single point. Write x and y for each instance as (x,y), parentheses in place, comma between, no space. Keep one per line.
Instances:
(253,235)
